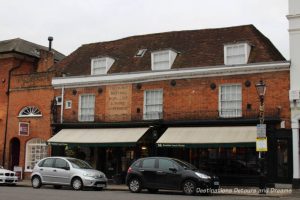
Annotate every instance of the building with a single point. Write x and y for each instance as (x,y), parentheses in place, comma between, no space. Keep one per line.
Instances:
(26,95)
(294,30)
(184,94)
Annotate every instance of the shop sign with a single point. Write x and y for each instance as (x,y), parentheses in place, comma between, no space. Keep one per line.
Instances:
(261,144)
(23,128)
(261,130)
(170,145)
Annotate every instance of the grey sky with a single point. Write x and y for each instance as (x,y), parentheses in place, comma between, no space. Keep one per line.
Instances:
(76,22)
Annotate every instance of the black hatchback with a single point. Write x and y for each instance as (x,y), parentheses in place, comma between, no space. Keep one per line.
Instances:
(154,173)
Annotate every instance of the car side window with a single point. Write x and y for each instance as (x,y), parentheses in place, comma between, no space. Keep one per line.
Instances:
(48,162)
(164,164)
(148,163)
(60,163)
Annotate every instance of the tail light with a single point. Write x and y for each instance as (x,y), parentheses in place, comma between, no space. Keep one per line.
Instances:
(129,170)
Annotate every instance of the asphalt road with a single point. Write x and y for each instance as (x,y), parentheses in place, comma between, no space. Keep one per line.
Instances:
(49,193)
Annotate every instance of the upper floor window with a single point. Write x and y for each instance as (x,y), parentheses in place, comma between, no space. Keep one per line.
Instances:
(30,111)
(140,52)
(153,104)
(101,65)
(230,100)
(162,60)
(236,54)
(86,108)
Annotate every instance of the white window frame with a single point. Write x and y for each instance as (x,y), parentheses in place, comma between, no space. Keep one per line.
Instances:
(108,63)
(58,102)
(172,56)
(79,108)
(68,104)
(246,54)
(38,142)
(159,115)
(33,110)
(238,111)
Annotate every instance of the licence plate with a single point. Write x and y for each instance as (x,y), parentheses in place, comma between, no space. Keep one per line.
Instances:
(100,185)
(216,183)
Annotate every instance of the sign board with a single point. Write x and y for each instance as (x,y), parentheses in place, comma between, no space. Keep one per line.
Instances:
(19,172)
(261,130)
(261,144)
(23,128)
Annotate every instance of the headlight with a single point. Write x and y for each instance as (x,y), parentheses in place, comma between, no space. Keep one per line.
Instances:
(89,175)
(200,175)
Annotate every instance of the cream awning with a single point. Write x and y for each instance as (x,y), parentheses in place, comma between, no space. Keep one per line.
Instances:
(98,137)
(208,136)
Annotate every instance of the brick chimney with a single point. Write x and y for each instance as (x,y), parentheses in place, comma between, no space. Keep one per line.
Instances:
(46,60)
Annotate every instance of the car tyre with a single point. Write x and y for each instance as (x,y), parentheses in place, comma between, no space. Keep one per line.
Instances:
(77,184)
(189,187)
(36,182)
(135,185)
(152,191)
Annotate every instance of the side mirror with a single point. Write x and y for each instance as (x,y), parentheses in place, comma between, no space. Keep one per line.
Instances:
(173,169)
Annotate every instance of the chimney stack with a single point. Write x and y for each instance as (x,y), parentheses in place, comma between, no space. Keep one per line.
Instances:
(50,39)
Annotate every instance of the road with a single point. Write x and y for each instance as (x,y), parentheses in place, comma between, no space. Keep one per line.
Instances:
(48,193)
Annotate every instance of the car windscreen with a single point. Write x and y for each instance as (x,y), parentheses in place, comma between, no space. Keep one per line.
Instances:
(185,165)
(79,164)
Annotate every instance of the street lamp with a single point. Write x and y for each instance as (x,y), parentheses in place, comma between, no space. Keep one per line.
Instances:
(261,91)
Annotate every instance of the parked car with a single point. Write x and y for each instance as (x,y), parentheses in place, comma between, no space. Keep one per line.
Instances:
(65,171)
(7,177)
(154,173)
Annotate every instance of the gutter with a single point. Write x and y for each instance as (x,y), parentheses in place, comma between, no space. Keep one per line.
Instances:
(7,107)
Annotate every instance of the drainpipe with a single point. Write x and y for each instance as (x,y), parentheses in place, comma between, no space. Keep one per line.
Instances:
(7,107)
(62,105)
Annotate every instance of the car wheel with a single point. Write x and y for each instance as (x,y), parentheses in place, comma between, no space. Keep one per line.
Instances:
(57,186)
(153,191)
(77,184)
(189,187)
(36,182)
(135,185)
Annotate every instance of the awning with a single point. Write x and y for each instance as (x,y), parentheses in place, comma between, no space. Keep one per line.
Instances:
(208,137)
(98,137)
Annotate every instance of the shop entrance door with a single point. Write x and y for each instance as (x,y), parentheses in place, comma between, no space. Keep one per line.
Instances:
(284,158)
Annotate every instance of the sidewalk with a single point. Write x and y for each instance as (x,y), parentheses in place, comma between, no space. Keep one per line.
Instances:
(226,190)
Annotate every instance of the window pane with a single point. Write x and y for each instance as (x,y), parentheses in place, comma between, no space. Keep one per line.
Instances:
(48,162)
(231,101)
(236,54)
(148,163)
(60,163)
(164,164)
(153,104)
(87,108)
(161,60)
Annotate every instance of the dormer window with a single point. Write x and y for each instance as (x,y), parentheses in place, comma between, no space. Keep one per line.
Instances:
(101,65)
(162,60)
(236,54)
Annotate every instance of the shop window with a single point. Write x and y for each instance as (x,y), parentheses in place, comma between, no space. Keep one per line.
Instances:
(153,104)
(86,108)
(30,111)
(230,101)
(36,149)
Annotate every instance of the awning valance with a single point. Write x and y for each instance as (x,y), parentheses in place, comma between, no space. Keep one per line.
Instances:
(208,136)
(98,137)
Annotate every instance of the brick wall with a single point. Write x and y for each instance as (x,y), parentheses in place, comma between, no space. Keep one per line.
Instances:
(193,97)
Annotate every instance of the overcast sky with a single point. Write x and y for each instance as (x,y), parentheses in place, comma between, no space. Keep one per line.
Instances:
(76,22)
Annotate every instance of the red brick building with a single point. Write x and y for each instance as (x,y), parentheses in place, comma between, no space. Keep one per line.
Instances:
(185,94)
(26,95)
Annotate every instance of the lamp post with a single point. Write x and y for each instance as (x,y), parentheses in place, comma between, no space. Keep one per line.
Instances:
(261,91)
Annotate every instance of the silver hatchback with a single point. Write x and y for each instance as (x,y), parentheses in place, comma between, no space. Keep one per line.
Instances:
(60,171)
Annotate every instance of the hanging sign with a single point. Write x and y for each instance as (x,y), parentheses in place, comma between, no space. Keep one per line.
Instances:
(261,144)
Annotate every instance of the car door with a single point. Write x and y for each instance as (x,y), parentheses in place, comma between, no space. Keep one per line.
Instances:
(168,175)
(148,171)
(46,170)
(61,171)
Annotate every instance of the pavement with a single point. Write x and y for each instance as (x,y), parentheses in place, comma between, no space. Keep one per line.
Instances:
(282,191)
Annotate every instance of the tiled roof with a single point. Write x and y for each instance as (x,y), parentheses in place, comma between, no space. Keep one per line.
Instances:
(196,48)
(25,47)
